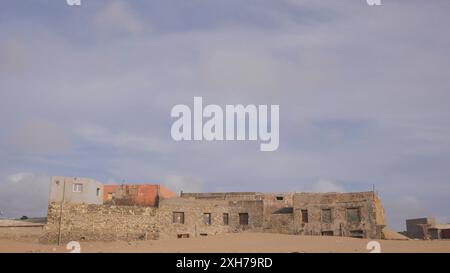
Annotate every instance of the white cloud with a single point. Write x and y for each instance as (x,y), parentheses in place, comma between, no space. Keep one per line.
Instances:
(18,177)
(123,141)
(179,183)
(24,193)
(327,186)
(118,17)
(40,137)
(401,208)
(341,61)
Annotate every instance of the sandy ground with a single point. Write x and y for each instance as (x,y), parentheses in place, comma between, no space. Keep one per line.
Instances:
(239,242)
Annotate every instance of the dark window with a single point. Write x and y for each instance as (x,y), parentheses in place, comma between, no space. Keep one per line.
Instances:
(178,217)
(353,215)
(207,218)
(285,210)
(280,198)
(326,216)
(98,191)
(304,215)
(225,218)
(357,233)
(243,219)
(184,235)
(327,233)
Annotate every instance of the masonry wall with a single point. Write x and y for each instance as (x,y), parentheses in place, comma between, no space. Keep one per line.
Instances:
(415,227)
(370,224)
(254,209)
(277,213)
(100,222)
(194,222)
(268,212)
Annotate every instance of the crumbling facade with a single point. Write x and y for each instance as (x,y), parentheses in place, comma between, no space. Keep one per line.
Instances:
(163,215)
(427,228)
(358,214)
(136,194)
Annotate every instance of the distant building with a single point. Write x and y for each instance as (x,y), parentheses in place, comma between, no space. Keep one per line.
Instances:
(426,228)
(417,228)
(438,232)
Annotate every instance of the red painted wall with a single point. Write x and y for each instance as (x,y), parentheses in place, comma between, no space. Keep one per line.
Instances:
(135,194)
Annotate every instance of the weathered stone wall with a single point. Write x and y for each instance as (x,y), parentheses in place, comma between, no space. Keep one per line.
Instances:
(269,212)
(277,213)
(100,222)
(417,228)
(370,224)
(194,224)
(254,208)
(279,223)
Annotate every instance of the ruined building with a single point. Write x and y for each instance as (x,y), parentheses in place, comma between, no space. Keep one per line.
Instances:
(83,209)
(426,229)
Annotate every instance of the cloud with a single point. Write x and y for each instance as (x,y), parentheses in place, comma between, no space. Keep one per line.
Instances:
(40,137)
(122,140)
(118,17)
(179,183)
(13,57)
(327,186)
(363,100)
(402,208)
(24,194)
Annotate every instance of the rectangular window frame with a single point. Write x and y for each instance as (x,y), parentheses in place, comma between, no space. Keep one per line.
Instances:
(178,217)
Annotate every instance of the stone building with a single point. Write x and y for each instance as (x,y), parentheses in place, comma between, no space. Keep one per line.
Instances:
(418,228)
(128,214)
(427,228)
(358,214)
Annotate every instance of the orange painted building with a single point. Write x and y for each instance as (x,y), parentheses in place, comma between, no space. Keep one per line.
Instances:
(136,194)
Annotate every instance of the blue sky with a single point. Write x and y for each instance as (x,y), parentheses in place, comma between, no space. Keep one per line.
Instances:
(363,94)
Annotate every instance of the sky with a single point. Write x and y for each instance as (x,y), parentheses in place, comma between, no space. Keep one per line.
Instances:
(363,91)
